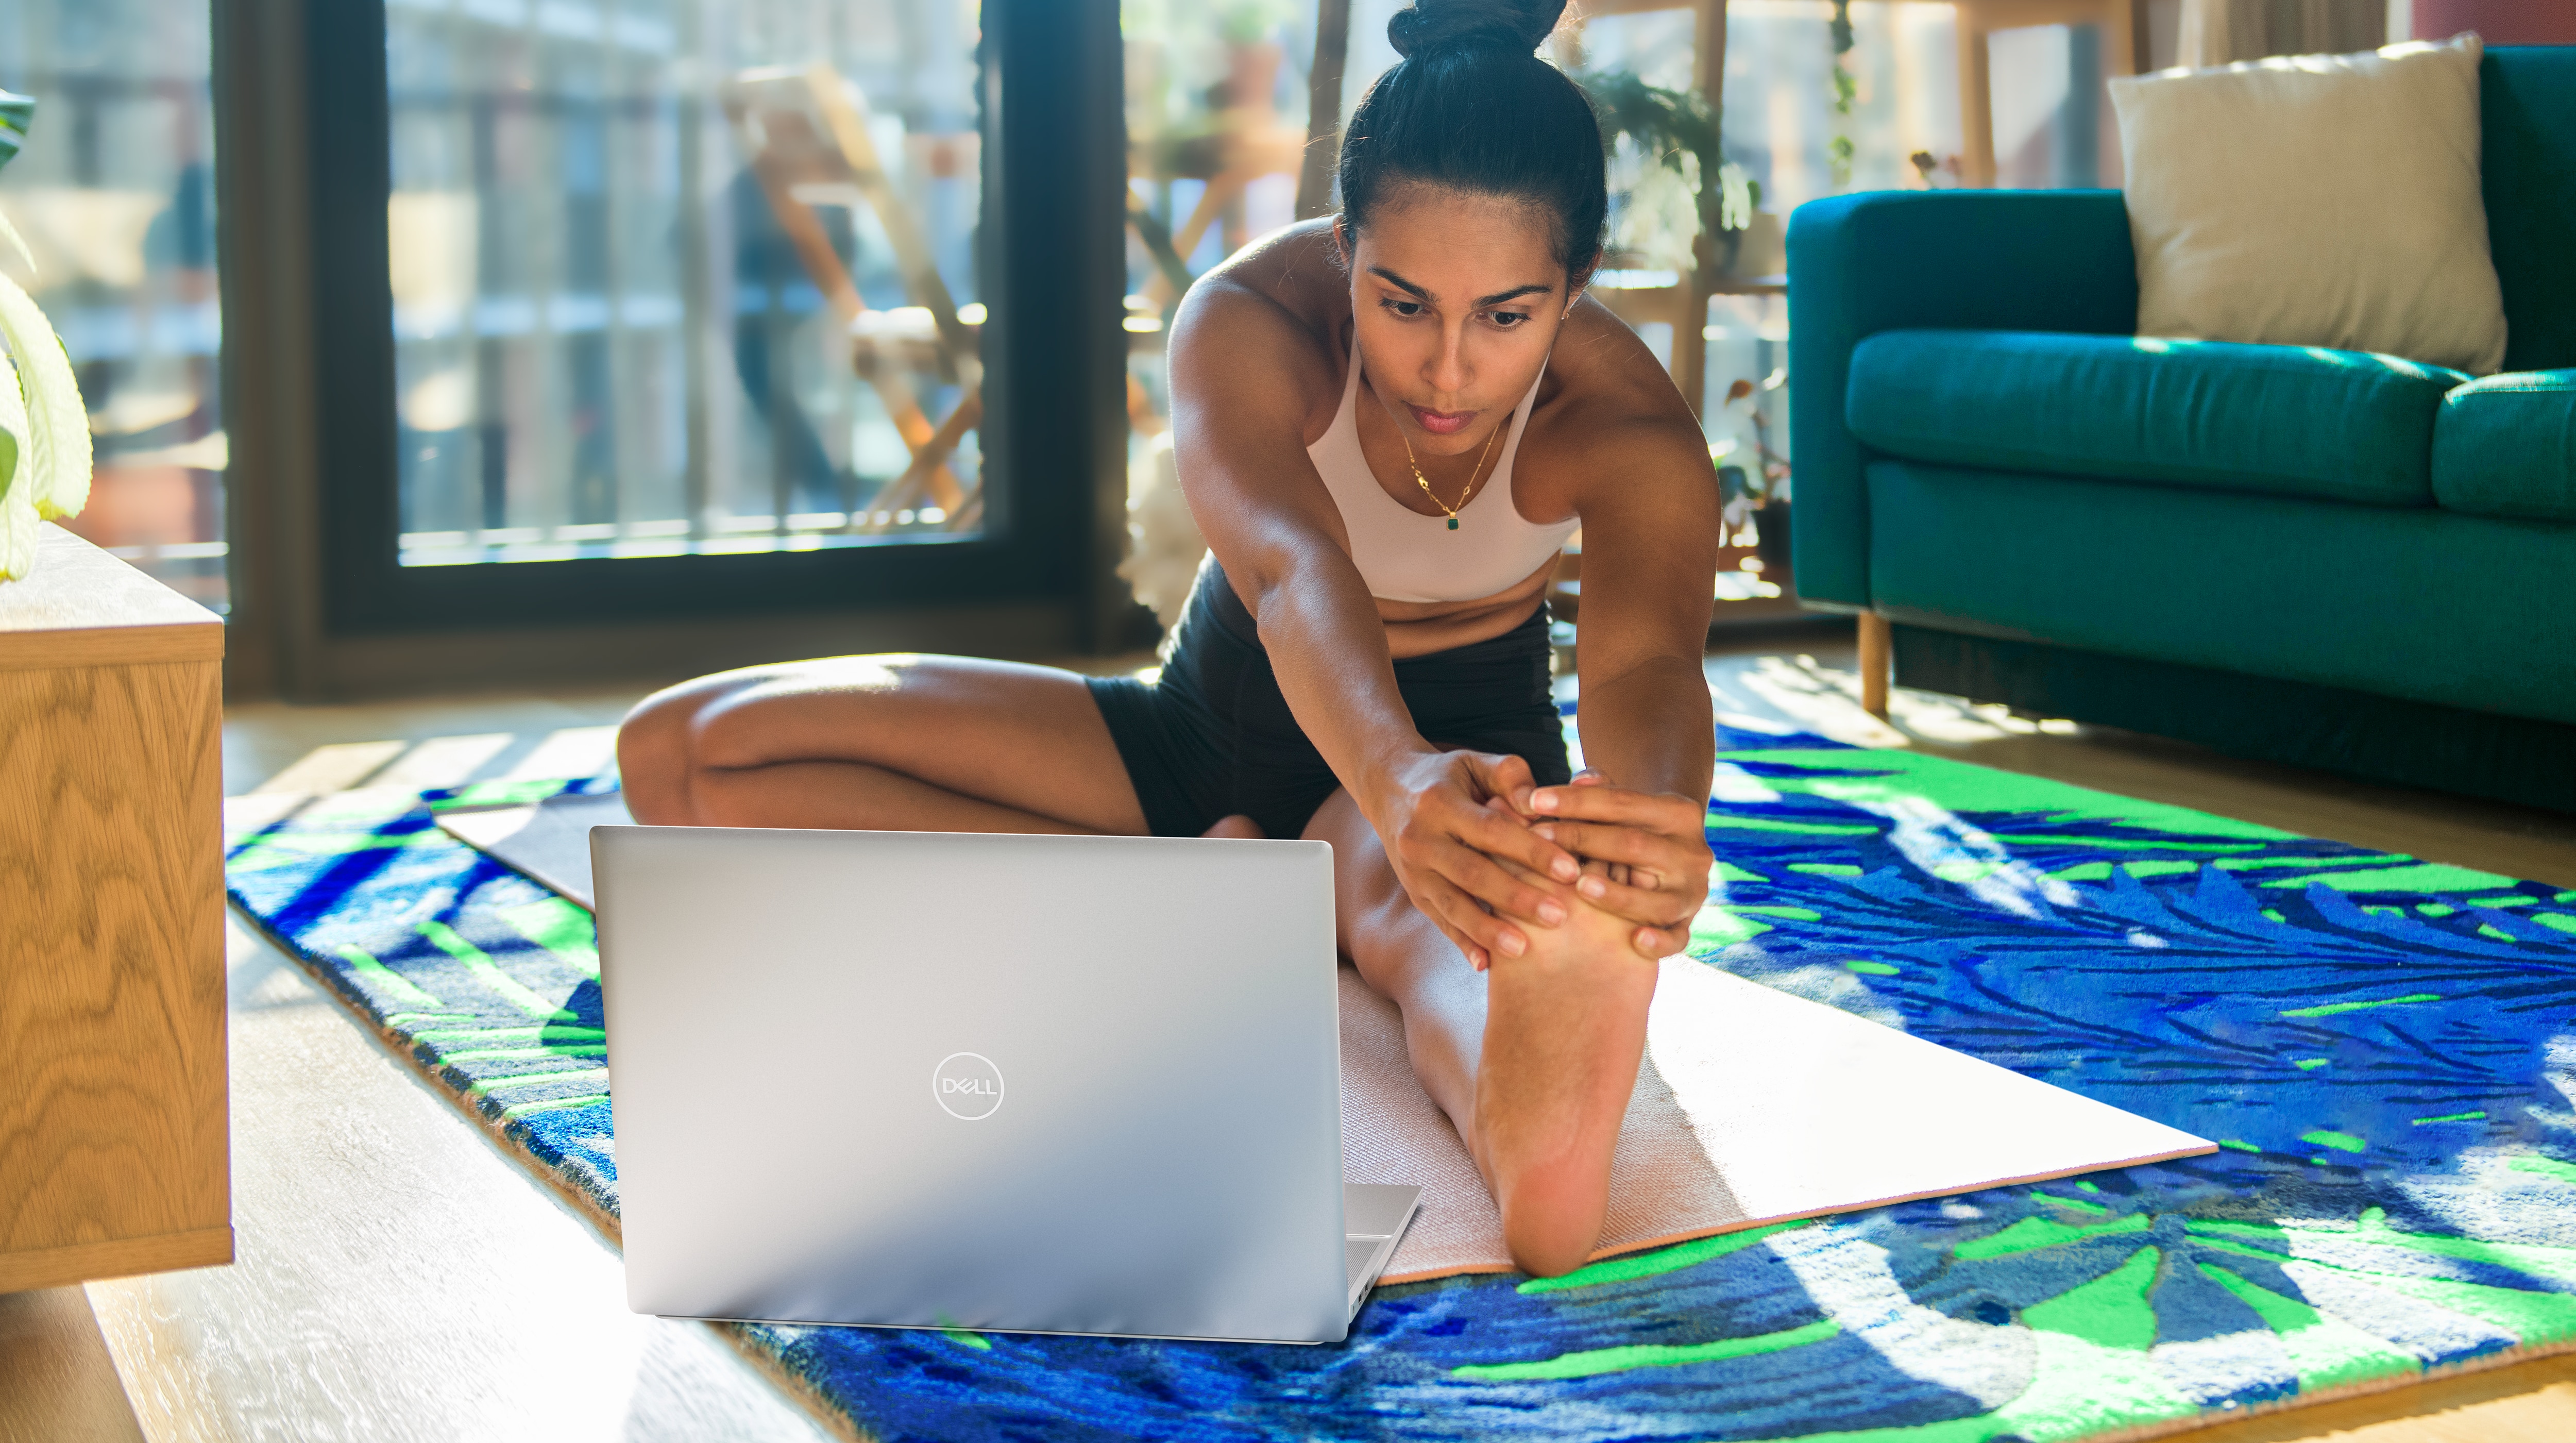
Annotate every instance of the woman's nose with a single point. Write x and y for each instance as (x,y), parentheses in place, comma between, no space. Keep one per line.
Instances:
(1448,373)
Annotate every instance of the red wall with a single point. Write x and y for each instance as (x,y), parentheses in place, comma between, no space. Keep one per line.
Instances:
(2500,22)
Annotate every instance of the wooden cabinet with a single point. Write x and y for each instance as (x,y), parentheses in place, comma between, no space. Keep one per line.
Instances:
(114,1142)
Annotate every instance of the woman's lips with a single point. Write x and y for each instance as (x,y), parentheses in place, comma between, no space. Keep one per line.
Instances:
(1440,423)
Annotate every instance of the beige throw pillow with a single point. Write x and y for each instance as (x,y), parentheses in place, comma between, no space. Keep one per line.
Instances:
(2316,200)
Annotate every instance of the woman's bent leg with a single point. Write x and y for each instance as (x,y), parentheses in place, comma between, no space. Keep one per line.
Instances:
(900,743)
(1533,1060)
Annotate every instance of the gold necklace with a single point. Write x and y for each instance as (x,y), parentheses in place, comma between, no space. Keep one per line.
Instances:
(1463,496)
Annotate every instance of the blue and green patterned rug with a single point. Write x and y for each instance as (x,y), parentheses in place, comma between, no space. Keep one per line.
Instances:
(2387,1047)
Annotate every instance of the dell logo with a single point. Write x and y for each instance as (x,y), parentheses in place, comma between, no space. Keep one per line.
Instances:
(967,1084)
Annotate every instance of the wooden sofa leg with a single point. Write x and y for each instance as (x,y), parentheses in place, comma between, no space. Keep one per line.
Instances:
(1874,664)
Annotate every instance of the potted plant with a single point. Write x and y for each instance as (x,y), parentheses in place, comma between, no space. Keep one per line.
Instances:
(44,428)
(1676,134)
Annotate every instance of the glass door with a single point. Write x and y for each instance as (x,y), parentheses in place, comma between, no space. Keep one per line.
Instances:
(673,278)
(638,309)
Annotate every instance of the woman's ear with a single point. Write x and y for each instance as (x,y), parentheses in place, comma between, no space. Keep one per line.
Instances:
(1579,279)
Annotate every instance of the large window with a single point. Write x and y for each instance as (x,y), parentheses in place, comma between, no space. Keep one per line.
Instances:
(673,277)
(628,311)
(114,194)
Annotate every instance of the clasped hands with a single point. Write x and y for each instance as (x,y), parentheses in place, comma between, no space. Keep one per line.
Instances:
(1486,853)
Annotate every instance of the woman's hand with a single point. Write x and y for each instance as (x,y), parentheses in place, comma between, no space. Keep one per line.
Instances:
(1656,843)
(1436,813)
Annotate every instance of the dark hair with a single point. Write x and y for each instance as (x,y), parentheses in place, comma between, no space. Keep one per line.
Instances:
(1471,107)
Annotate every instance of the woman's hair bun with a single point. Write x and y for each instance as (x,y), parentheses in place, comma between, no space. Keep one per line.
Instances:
(1474,110)
(1430,26)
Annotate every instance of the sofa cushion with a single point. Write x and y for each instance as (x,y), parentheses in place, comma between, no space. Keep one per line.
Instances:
(2430,605)
(2321,200)
(2285,420)
(2506,446)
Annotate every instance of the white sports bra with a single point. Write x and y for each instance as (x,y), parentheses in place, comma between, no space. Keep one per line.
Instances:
(1404,555)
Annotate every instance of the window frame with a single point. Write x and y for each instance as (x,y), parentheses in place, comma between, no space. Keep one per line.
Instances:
(1054,435)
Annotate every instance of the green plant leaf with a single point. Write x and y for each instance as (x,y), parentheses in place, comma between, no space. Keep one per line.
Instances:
(1677,130)
(56,450)
(17,494)
(17,112)
(17,243)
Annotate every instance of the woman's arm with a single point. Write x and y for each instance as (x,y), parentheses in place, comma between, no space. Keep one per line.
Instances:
(1650,541)
(1246,376)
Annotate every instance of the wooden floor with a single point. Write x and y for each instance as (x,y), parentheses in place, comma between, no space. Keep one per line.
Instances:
(398,1278)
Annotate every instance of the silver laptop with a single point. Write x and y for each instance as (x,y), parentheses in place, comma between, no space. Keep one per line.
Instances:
(1020,1084)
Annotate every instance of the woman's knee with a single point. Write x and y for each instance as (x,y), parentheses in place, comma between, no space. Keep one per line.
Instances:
(665,740)
(717,722)
(654,751)
(1375,918)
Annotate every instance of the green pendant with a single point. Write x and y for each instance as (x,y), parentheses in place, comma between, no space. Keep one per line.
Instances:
(1453,523)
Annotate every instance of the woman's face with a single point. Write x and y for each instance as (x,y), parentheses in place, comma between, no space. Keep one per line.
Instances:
(1457,298)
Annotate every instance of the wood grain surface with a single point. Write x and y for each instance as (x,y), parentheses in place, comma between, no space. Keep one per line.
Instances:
(115,1258)
(57,1384)
(112,1084)
(80,606)
(2533,1401)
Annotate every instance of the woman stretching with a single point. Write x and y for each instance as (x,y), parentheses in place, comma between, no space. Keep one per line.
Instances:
(1386,424)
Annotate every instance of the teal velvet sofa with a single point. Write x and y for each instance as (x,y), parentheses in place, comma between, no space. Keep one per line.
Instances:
(2323,557)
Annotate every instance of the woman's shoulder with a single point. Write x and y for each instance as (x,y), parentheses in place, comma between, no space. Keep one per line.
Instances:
(1601,372)
(1608,407)
(1279,309)
(1297,268)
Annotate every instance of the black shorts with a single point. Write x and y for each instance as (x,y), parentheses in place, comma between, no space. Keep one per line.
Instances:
(1213,737)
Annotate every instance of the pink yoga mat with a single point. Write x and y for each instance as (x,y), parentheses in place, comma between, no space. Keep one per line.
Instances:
(1752,1107)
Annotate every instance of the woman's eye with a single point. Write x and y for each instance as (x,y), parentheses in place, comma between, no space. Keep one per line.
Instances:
(1403,308)
(1508,319)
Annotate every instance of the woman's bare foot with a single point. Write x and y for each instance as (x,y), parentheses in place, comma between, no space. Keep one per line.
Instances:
(1565,1029)
(1238,827)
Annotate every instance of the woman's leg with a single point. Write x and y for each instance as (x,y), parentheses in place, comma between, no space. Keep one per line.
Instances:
(1533,1060)
(900,743)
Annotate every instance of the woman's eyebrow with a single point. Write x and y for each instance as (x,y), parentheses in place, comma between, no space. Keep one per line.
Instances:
(1391,278)
(1496,299)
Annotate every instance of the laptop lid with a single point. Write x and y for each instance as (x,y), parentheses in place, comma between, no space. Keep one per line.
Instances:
(1055,1084)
